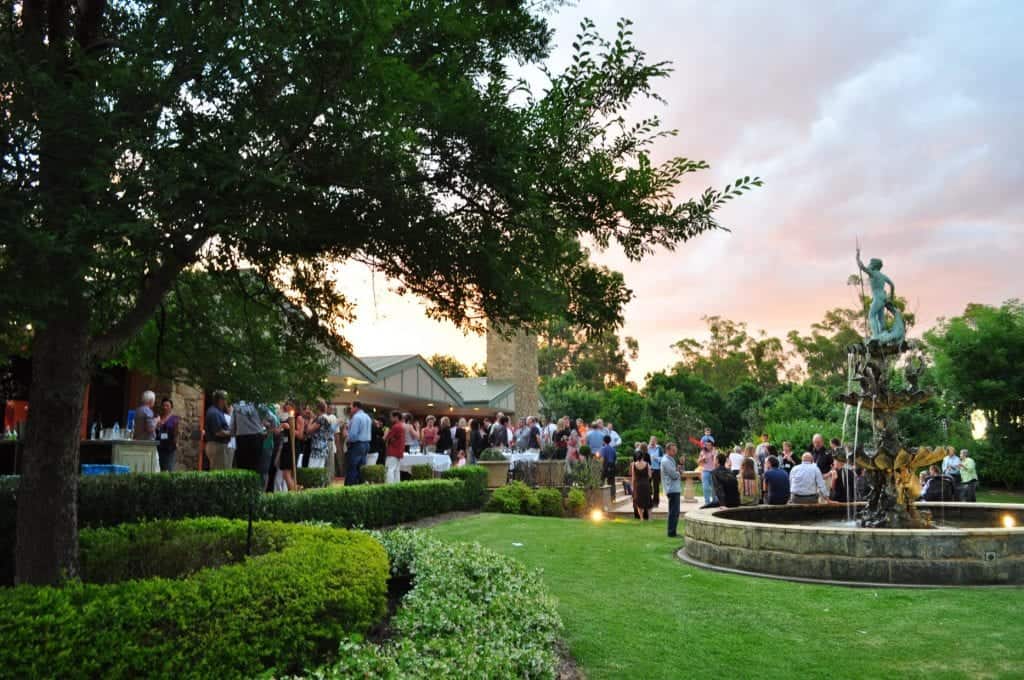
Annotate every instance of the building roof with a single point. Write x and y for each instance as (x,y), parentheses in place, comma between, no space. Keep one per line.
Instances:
(480,390)
(409,381)
(382,363)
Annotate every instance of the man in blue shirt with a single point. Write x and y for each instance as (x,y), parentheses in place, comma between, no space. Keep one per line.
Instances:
(776,482)
(595,436)
(654,451)
(359,426)
(608,459)
(673,487)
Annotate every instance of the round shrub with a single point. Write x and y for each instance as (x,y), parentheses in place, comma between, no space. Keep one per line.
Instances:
(514,499)
(282,609)
(313,478)
(421,472)
(549,502)
(576,503)
(372,474)
(492,455)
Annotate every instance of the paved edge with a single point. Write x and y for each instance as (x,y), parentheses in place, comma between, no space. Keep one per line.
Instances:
(686,559)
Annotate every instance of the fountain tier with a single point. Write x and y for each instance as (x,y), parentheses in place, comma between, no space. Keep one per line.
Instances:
(782,541)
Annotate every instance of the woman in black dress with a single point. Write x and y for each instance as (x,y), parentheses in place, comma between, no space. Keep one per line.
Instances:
(477,439)
(640,476)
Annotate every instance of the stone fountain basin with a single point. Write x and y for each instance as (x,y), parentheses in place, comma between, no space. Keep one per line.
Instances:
(783,541)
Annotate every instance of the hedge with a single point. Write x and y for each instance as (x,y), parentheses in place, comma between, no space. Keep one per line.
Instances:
(420,472)
(313,478)
(280,611)
(472,613)
(475,479)
(372,474)
(112,500)
(377,505)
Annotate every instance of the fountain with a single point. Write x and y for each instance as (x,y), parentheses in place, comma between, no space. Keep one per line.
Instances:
(889,538)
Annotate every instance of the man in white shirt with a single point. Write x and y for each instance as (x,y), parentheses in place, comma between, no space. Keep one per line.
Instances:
(806,483)
(735,460)
(951,466)
(616,439)
(548,432)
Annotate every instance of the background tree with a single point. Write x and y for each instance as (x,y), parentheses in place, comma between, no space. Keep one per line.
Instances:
(978,358)
(598,358)
(823,351)
(731,356)
(228,330)
(448,366)
(141,139)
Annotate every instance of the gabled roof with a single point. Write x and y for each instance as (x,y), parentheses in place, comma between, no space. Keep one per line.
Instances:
(382,363)
(384,366)
(481,390)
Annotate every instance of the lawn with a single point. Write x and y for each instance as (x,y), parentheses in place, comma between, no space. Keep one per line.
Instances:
(1000,496)
(631,610)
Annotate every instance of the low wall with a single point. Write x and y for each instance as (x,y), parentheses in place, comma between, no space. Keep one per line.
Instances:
(777,544)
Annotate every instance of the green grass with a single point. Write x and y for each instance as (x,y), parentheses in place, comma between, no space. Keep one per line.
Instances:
(631,610)
(1000,496)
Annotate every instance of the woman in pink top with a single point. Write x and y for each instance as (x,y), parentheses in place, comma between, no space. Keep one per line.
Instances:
(429,434)
(707,463)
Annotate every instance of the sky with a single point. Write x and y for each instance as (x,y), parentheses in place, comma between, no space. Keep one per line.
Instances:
(898,124)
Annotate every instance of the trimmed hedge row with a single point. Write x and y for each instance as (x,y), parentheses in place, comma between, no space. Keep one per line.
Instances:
(112,500)
(281,610)
(369,505)
(472,613)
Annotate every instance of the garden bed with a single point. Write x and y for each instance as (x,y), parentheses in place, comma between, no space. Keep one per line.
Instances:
(471,613)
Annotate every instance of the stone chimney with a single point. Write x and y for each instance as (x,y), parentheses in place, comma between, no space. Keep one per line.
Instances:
(514,359)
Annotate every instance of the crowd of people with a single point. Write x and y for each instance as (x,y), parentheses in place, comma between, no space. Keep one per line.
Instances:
(274,441)
(763,474)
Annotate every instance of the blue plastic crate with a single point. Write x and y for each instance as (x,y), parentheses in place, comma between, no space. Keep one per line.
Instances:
(96,469)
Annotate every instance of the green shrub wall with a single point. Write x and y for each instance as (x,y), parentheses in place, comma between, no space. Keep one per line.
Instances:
(283,610)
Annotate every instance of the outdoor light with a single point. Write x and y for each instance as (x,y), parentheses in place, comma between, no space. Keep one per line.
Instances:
(596,515)
(1009,522)
(430,403)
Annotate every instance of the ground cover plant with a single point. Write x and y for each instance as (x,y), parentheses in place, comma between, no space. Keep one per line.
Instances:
(471,613)
(631,609)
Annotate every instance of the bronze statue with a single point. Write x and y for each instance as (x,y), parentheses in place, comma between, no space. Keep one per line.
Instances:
(890,466)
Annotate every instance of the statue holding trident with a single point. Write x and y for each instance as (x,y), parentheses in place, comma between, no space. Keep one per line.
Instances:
(880,302)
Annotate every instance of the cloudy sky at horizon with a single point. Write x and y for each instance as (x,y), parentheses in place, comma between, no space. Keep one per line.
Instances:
(895,123)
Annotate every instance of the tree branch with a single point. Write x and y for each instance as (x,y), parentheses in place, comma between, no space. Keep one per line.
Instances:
(152,294)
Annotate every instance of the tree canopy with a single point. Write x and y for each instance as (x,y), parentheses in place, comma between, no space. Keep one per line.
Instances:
(597,358)
(228,330)
(450,367)
(142,139)
(978,358)
(731,355)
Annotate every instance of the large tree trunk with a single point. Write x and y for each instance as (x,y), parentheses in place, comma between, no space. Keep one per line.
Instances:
(47,537)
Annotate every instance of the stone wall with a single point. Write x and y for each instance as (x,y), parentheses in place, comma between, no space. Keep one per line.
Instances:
(780,545)
(514,358)
(188,404)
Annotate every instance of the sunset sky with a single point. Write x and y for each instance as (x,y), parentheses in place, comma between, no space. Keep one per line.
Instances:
(898,123)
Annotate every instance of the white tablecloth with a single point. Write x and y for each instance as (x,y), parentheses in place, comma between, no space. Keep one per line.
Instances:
(528,456)
(439,462)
